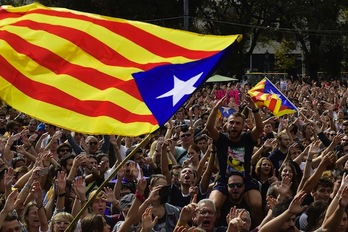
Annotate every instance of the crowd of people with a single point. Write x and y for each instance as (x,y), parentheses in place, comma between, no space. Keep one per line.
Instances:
(200,171)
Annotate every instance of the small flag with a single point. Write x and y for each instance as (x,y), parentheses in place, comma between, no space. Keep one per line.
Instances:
(266,94)
(100,75)
(226,111)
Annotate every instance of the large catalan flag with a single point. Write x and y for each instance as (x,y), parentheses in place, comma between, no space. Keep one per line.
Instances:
(266,94)
(100,75)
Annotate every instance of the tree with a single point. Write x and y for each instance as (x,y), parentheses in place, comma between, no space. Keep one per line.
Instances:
(283,60)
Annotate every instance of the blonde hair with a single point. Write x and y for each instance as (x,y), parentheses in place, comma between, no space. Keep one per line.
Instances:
(258,166)
(61,215)
(153,148)
(25,213)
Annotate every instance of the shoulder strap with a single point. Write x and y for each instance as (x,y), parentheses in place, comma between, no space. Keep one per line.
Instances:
(182,155)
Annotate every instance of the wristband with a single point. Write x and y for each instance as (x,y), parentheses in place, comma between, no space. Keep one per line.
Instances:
(255,110)
(140,198)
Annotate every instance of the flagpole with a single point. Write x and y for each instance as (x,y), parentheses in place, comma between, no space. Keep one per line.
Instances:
(281,93)
(143,142)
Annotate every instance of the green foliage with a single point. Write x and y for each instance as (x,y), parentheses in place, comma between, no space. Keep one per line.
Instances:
(283,58)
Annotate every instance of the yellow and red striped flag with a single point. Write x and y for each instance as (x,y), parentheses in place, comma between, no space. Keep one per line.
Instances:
(100,75)
(266,94)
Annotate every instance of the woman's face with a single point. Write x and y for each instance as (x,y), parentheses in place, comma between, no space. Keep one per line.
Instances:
(193,155)
(287,172)
(33,217)
(106,227)
(99,206)
(265,167)
(60,224)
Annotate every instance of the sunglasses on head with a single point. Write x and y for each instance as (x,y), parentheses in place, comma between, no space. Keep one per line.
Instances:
(233,185)
(93,143)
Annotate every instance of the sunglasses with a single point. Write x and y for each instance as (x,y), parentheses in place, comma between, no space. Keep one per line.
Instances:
(64,150)
(185,135)
(93,143)
(233,185)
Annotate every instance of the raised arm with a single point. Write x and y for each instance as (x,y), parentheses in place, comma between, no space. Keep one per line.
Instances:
(293,209)
(210,126)
(257,130)
(37,193)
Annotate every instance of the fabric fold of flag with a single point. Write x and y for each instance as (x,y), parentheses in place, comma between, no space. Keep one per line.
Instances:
(100,75)
(266,94)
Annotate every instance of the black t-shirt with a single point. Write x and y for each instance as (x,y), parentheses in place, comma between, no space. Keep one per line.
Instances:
(234,156)
(177,199)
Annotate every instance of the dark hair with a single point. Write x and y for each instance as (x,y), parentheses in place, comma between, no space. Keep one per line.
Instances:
(200,137)
(11,217)
(281,207)
(315,212)
(324,182)
(15,160)
(195,148)
(60,146)
(296,177)
(100,156)
(131,149)
(65,158)
(12,123)
(92,222)
(237,174)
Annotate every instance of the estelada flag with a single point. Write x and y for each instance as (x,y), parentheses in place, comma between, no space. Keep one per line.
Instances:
(265,93)
(100,75)
(226,111)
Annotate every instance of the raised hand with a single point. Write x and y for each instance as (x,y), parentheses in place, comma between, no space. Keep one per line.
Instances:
(9,177)
(295,205)
(271,202)
(36,190)
(11,202)
(343,200)
(61,182)
(79,187)
(141,186)
(109,196)
(250,103)
(284,186)
(147,223)
(187,212)
(154,194)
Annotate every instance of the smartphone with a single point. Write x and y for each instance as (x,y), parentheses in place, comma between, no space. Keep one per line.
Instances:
(164,191)
(43,172)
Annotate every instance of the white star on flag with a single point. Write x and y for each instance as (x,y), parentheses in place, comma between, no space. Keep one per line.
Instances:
(226,110)
(271,92)
(181,88)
